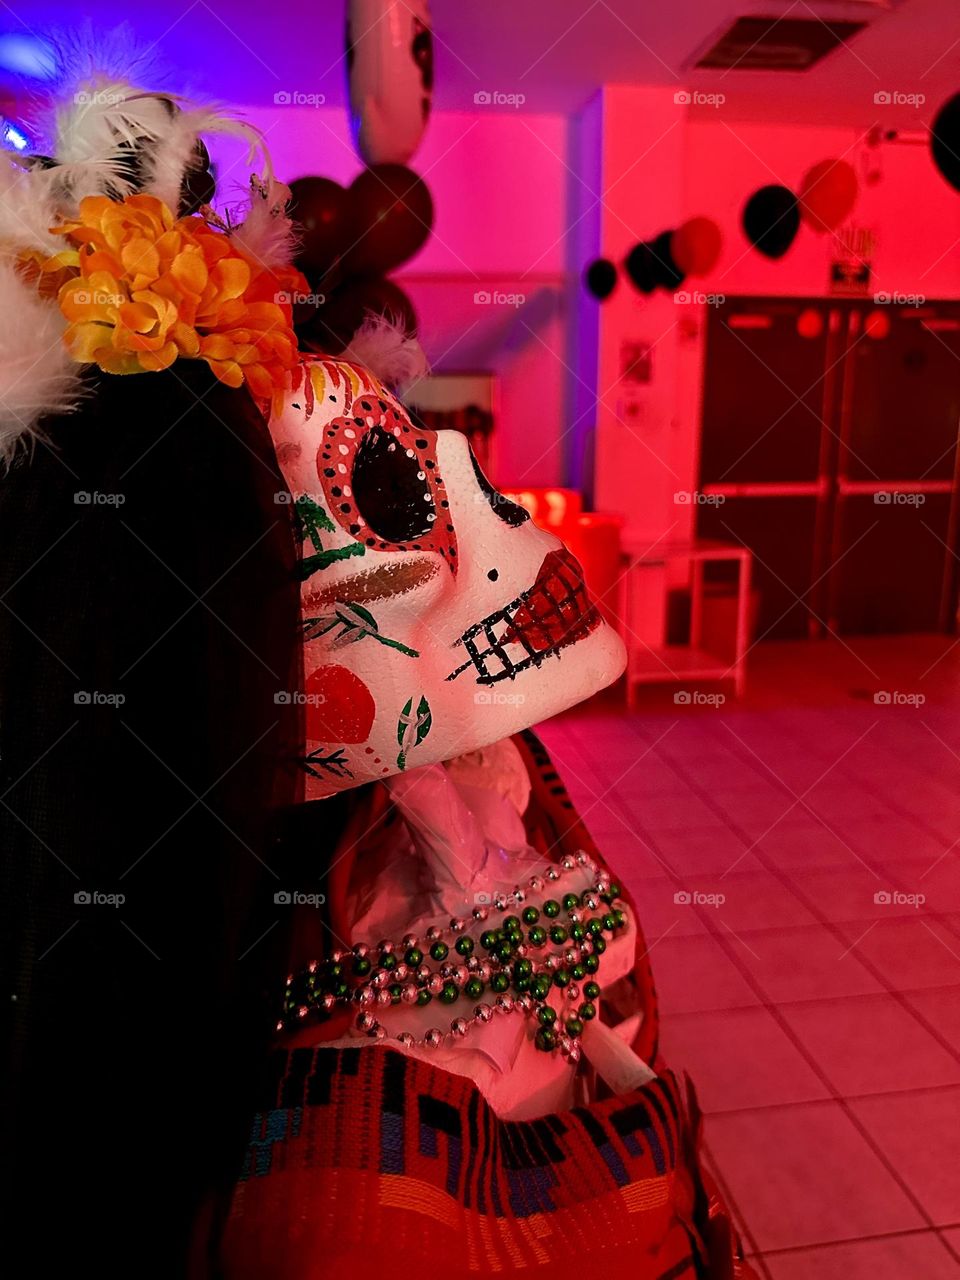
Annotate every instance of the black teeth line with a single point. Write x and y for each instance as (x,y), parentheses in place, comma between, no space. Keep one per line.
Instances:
(581,625)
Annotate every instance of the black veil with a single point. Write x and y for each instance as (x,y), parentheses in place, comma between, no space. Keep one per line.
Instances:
(149,665)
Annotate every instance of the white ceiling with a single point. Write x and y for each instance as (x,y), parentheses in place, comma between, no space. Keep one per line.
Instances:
(553,52)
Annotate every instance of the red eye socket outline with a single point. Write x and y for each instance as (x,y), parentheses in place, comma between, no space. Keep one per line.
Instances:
(382,482)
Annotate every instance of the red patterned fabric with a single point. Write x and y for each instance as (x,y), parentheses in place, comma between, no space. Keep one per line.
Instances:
(366,1163)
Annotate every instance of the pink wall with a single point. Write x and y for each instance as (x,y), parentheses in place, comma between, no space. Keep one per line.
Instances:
(648,435)
(498,181)
(517,218)
(913,213)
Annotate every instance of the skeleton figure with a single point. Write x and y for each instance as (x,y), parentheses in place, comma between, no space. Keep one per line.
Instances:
(438,622)
(437,619)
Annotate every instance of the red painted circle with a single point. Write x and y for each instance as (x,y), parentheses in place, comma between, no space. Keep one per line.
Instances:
(340,707)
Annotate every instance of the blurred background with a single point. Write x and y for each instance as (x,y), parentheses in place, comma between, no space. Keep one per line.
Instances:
(688,275)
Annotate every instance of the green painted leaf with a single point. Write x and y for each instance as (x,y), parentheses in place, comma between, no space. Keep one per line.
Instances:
(412,728)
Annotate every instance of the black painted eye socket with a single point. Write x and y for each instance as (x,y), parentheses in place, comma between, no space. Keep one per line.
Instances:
(390,489)
(509,512)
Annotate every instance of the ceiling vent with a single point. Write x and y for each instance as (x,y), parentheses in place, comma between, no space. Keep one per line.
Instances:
(776,44)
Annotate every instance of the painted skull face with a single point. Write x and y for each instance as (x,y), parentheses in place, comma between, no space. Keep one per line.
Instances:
(436,617)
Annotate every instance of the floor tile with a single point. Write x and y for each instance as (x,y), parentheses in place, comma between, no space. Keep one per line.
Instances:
(907,952)
(706,852)
(694,974)
(854,892)
(816,920)
(803,964)
(738,1058)
(920,1254)
(871,1044)
(665,908)
(805,1175)
(805,847)
(759,900)
(920,1135)
(680,812)
(941,1008)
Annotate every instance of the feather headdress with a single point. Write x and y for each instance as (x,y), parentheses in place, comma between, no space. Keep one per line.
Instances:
(106,136)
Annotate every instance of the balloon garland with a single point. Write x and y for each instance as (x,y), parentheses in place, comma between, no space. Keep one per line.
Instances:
(601,278)
(350,238)
(945,141)
(827,195)
(770,220)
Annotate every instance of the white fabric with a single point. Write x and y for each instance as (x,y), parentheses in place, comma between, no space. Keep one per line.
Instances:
(467,842)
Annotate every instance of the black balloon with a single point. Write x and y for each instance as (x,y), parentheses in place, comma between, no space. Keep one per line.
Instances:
(392,216)
(771,220)
(641,267)
(332,326)
(601,278)
(668,274)
(321,212)
(945,141)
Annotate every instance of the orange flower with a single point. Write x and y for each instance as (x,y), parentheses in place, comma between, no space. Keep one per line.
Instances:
(141,289)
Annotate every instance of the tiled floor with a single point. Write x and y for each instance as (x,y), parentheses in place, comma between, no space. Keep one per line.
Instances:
(796,860)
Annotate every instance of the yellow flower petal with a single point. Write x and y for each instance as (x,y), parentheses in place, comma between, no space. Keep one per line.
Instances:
(141,262)
(154,361)
(227,372)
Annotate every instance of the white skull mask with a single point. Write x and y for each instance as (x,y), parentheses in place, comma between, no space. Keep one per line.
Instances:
(437,618)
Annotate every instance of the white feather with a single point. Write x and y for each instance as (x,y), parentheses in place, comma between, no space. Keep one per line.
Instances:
(266,234)
(381,345)
(28,207)
(37,375)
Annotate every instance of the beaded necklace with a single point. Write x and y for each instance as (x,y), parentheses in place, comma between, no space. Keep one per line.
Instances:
(555,946)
